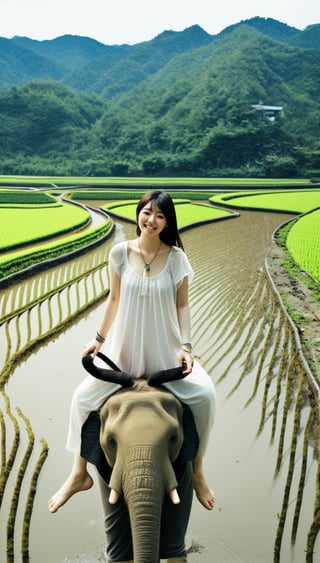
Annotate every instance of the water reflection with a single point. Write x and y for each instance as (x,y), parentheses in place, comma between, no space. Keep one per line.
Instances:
(262,457)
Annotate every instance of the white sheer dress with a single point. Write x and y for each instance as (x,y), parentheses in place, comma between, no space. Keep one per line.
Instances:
(145,338)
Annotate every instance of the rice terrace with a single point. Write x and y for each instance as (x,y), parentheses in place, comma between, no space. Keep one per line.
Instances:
(255,306)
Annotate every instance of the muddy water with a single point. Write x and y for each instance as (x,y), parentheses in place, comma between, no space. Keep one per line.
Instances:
(254,459)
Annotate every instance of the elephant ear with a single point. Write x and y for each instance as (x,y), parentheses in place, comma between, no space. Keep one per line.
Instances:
(166,375)
(113,376)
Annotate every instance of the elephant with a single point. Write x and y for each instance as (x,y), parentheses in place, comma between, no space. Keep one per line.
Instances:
(143,442)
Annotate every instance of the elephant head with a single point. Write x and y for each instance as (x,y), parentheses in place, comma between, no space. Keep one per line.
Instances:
(141,435)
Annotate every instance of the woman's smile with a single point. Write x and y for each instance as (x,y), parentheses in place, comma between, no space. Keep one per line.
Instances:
(151,219)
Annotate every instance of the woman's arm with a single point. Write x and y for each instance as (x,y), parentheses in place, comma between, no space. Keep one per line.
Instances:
(184,321)
(109,313)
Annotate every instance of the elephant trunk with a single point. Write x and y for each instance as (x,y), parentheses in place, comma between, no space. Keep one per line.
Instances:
(148,475)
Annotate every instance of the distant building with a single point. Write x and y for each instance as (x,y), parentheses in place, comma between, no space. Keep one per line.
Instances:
(270,111)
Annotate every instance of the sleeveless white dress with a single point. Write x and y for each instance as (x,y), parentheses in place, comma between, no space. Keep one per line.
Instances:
(145,338)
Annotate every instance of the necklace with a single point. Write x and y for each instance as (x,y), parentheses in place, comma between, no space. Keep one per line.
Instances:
(147,265)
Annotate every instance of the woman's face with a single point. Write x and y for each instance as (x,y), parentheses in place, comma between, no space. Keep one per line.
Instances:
(151,220)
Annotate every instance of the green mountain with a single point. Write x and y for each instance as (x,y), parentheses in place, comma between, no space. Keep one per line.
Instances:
(19,65)
(124,67)
(268,26)
(43,124)
(180,104)
(309,38)
(68,51)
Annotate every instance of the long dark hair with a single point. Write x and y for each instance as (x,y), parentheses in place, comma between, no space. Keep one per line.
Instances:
(169,235)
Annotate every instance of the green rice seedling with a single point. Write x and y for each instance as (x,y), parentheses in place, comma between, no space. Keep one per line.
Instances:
(18,483)
(278,390)
(14,448)
(30,501)
(269,376)
(18,334)
(291,468)
(39,318)
(303,475)
(3,443)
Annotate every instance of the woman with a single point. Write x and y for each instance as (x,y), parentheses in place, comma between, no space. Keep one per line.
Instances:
(145,328)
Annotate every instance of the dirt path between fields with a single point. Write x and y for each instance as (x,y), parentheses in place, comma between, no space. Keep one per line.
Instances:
(297,295)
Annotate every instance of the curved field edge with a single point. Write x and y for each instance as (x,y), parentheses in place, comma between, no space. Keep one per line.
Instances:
(284,201)
(189,215)
(303,243)
(107,194)
(20,263)
(121,196)
(28,225)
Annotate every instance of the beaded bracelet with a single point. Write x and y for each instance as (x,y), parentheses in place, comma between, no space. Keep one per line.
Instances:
(100,338)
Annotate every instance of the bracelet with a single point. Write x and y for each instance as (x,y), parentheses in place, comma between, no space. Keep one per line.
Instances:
(100,338)
(186,347)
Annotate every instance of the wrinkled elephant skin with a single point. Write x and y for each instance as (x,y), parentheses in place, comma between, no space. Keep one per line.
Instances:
(141,435)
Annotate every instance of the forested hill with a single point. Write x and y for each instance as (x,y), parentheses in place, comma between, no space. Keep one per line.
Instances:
(180,104)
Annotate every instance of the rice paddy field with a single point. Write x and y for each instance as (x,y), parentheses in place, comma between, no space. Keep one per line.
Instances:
(303,243)
(20,226)
(188,214)
(264,448)
(77,181)
(285,200)
(32,215)
(36,226)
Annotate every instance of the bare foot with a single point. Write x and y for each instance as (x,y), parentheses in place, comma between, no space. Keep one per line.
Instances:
(204,494)
(74,484)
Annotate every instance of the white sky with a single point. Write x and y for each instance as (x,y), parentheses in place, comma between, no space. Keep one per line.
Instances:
(133,21)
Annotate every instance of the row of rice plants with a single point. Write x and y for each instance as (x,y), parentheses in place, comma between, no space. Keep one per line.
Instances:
(55,181)
(82,284)
(23,259)
(29,197)
(120,195)
(250,336)
(303,243)
(303,240)
(33,291)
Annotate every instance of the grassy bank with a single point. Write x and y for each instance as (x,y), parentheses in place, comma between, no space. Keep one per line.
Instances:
(74,181)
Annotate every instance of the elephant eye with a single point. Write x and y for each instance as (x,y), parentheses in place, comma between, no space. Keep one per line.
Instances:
(173,438)
(112,443)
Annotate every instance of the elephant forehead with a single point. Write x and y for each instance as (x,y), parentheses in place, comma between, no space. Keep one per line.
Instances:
(156,400)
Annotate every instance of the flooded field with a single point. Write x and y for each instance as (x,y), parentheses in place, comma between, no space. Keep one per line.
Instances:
(262,458)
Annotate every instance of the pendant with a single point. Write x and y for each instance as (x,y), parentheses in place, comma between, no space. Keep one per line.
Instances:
(147,267)
(144,291)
